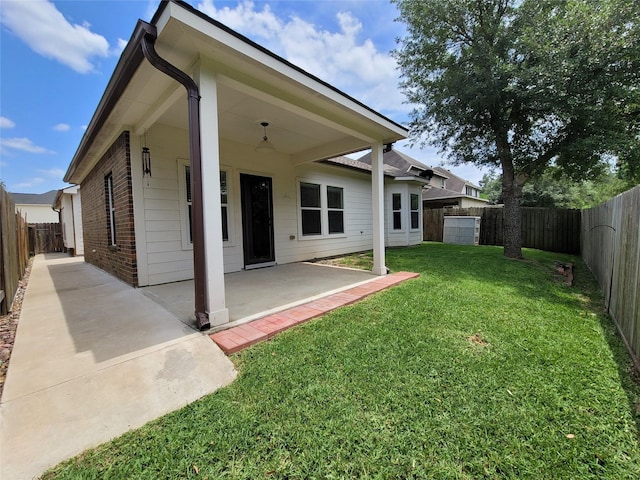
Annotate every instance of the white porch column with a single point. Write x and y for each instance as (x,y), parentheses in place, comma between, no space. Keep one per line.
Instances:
(377,195)
(205,77)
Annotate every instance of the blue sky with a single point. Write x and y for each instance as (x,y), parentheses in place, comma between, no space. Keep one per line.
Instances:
(56,58)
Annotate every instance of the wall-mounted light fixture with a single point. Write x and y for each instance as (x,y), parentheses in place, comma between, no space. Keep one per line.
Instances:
(265,145)
(146,158)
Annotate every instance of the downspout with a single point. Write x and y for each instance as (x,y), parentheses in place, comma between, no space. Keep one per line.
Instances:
(147,43)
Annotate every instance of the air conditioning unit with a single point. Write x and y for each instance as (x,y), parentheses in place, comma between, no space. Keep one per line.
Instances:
(461,230)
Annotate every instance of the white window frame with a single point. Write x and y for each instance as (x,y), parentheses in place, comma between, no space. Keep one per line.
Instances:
(324,210)
(411,211)
(112,210)
(184,205)
(394,211)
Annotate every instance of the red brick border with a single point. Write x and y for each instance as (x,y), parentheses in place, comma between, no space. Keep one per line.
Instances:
(237,338)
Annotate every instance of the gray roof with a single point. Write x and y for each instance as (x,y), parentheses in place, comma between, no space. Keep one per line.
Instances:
(46,198)
(388,170)
(398,160)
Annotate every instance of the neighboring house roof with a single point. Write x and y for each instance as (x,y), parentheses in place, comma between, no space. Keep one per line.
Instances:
(454,182)
(46,198)
(309,119)
(455,187)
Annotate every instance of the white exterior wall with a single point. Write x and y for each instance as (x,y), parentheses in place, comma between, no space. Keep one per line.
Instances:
(469,202)
(38,213)
(66,216)
(77,222)
(71,218)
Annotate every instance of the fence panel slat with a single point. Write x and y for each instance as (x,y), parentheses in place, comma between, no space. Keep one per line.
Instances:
(611,250)
(14,252)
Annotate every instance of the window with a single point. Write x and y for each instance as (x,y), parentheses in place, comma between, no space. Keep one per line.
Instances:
(187,186)
(224,199)
(310,209)
(415,211)
(111,209)
(321,209)
(443,183)
(396,208)
(224,204)
(335,208)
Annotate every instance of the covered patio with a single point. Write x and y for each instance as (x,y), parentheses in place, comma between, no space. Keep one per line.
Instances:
(253,294)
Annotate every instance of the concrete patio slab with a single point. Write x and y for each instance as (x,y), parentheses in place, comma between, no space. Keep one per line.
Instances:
(254,293)
(94,358)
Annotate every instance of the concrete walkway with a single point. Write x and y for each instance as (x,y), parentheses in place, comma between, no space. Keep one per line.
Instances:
(94,358)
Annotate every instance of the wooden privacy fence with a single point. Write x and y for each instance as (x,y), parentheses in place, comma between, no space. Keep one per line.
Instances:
(14,250)
(551,229)
(611,249)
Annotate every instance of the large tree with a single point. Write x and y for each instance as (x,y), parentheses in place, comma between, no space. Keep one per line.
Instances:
(523,84)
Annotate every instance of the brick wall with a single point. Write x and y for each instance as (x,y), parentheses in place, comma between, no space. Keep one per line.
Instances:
(119,260)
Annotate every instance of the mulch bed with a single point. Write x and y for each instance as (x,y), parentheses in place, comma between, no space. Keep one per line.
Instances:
(9,325)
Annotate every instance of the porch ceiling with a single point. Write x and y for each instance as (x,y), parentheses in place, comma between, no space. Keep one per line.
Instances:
(308,119)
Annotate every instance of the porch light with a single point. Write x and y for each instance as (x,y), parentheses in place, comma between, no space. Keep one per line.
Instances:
(146,162)
(265,145)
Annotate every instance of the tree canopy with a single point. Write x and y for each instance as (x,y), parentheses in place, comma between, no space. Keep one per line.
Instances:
(524,84)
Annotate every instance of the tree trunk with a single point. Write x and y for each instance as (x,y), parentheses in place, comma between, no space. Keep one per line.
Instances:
(512,226)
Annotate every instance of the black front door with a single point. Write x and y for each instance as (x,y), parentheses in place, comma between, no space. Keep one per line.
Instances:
(257,220)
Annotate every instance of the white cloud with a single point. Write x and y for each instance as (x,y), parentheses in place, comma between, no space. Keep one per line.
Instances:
(118,49)
(62,127)
(23,144)
(28,184)
(43,27)
(340,58)
(52,172)
(6,123)
(84,127)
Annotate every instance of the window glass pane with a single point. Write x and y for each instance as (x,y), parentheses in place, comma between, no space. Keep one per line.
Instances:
(336,221)
(397,201)
(414,201)
(397,220)
(415,220)
(187,177)
(334,197)
(190,227)
(223,187)
(311,222)
(309,195)
(225,224)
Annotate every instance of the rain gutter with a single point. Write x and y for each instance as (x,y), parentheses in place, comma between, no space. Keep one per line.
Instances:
(139,47)
(147,43)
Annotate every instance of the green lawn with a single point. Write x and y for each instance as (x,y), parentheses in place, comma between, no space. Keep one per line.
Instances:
(483,367)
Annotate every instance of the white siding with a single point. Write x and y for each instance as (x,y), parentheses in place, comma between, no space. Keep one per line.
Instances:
(38,213)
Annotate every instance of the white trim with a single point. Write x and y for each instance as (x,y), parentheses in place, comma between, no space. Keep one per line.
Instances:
(181,165)
(139,215)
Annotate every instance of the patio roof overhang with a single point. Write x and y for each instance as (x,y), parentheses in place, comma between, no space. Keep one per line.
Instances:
(309,119)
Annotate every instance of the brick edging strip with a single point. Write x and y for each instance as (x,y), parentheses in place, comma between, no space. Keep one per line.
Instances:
(242,336)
